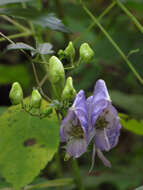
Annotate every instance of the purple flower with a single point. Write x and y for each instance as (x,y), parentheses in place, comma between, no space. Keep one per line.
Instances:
(74,127)
(104,122)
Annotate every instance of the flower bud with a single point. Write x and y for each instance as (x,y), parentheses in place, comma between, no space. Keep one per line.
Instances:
(36,99)
(86,53)
(61,54)
(16,93)
(56,75)
(70,51)
(69,92)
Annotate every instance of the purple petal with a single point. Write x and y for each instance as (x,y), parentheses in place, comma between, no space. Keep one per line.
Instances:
(66,126)
(98,102)
(113,127)
(80,110)
(101,140)
(100,91)
(103,158)
(93,158)
(76,147)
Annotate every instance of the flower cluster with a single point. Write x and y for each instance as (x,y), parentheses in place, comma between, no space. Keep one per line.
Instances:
(94,118)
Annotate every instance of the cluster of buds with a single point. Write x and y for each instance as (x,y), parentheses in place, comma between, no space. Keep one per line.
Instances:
(34,107)
(62,88)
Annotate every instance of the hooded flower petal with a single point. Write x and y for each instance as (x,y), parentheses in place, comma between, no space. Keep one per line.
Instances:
(74,127)
(103,121)
(76,147)
(98,102)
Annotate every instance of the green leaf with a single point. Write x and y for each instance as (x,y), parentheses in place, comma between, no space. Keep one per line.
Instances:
(10,74)
(139,188)
(135,5)
(132,125)
(4,2)
(27,144)
(2,109)
(43,19)
(133,104)
(20,45)
(45,48)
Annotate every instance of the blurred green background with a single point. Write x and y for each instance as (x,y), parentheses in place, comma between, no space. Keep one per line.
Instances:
(125,90)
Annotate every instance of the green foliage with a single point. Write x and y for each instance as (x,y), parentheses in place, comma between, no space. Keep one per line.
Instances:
(10,74)
(3,2)
(132,125)
(139,188)
(131,103)
(45,48)
(20,45)
(43,19)
(2,109)
(27,144)
(136,5)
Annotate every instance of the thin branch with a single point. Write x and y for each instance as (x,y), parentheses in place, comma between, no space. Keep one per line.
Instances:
(106,11)
(113,43)
(129,14)
(23,28)
(43,80)
(14,36)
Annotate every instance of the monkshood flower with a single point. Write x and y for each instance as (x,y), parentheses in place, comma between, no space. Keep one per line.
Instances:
(74,127)
(104,122)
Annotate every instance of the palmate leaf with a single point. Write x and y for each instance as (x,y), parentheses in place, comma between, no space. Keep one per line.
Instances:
(27,144)
(43,19)
(132,125)
(4,2)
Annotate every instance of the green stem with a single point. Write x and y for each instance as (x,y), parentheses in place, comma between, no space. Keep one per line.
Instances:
(129,14)
(58,163)
(19,26)
(77,176)
(114,44)
(14,36)
(94,23)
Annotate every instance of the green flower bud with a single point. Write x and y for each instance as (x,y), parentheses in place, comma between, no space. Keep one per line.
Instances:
(69,92)
(86,53)
(61,54)
(70,51)
(36,99)
(56,75)
(16,93)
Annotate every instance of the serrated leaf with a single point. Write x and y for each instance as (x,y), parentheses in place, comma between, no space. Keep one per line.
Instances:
(27,144)
(20,45)
(4,2)
(132,125)
(43,19)
(45,48)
